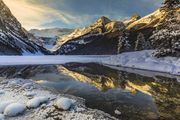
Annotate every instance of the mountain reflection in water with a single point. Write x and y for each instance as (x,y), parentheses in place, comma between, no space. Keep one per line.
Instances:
(137,95)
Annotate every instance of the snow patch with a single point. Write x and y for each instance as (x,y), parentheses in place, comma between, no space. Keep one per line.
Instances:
(64,103)
(45,105)
(29,94)
(14,109)
(36,102)
(117,112)
(144,60)
(3,105)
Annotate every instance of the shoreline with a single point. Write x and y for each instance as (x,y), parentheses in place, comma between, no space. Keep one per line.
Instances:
(23,90)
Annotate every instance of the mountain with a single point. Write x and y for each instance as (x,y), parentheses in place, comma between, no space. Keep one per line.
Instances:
(159,30)
(14,39)
(99,38)
(48,37)
(50,33)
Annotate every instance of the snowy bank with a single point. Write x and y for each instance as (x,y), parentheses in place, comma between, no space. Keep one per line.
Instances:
(40,60)
(19,102)
(145,61)
(139,60)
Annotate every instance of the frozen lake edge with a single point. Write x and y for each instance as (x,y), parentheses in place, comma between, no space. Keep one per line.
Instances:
(138,60)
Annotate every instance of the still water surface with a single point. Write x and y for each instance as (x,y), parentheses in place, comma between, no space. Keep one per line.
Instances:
(138,95)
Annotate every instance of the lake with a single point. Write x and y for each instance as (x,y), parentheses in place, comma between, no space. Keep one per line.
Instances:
(137,94)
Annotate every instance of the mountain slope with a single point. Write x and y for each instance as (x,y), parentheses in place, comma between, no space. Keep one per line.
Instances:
(158,30)
(161,29)
(14,38)
(99,38)
(52,32)
(48,37)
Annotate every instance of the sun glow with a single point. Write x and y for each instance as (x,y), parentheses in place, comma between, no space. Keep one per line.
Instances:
(35,15)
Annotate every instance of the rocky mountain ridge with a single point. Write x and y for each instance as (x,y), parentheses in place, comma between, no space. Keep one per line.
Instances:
(103,32)
(14,39)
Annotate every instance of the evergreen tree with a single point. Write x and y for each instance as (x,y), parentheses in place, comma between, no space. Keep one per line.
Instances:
(123,44)
(141,43)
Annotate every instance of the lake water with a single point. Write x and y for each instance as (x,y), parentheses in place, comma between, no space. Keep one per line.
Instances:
(138,95)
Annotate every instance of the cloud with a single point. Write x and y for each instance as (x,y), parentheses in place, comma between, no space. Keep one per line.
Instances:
(75,13)
(35,15)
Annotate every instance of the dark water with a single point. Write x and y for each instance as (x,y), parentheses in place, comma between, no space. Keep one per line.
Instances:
(139,95)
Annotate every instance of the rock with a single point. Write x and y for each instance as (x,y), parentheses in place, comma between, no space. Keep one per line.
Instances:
(117,112)
(64,103)
(14,109)
(115,25)
(132,19)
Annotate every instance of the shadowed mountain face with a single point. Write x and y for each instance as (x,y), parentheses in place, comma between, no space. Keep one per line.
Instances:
(158,30)
(142,96)
(14,40)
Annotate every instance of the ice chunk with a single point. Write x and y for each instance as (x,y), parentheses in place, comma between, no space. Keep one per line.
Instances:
(36,102)
(3,105)
(14,109)
(64,103)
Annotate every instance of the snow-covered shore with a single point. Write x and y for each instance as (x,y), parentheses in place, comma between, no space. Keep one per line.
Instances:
(145,61)
(139,60)
(22,99)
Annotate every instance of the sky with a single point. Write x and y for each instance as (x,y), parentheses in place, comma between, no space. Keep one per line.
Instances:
(42,14)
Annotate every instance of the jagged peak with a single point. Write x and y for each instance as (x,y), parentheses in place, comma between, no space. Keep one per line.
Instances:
(132,19)
(103,20)
(8,22)
(135,17)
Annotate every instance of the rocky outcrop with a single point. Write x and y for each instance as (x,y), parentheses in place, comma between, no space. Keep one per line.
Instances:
(132,20)
(14,39)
